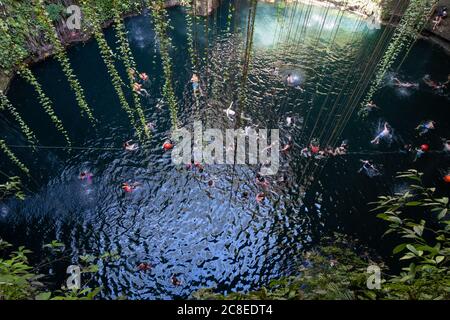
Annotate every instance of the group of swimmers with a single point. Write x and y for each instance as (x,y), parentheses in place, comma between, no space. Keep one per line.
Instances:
(314,150)
(140,79)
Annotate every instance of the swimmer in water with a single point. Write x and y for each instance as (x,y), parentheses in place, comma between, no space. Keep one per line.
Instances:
(127,187)
(139,90)
(406,85)
(175,281)
(85,176)
(130,146)
(433,84)
(424,127)
(288,146)
(260,197)
(261,181)
(371,106)
(382,135)
(143,76)
(446,145)
(151,126)
(195,83)
(144,266)
(368,168)
(305,152)
(290,79)
(230,113)
(342,149)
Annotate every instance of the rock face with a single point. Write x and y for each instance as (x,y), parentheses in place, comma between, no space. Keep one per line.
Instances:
(203,7)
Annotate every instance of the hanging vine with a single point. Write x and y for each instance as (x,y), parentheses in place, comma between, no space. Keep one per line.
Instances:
(126,56)
(189,29)
(61,56)
(44,101)
(412,22)
(6,105)
(108,58)
(162,24)
(12,157)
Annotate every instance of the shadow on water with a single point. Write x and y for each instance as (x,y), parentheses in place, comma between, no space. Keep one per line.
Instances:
(216,236)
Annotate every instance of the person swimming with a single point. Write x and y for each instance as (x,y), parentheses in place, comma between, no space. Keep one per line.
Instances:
(84,175)
(261,181)
(406,85)
(175,281)
(144,266)
(433,84)
(139,90)
(426,126)
(290,79)
(167,145)
(130,146)
(195,83)
(305,152)
(260,197)
(287,147)
(369,169)
(385,134)
(128,188)
(229,112)
(143,76)
(371,106)
(446,143)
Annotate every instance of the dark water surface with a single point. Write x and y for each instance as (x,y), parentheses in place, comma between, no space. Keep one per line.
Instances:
(214,236)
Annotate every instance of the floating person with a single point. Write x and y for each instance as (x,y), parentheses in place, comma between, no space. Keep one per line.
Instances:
(151,126)
(369,169)
(195,84)
(144,266)
(446,178)
(287,147)
(369,107)
(446,143)
(305,152)
(167,145)
(289,121)
(128,188)
(260,197)
(421,151)
(433,84)
(175,281)
(406,85)
(441,14)
(211,183)
(85,175)
(139,90)
(426,126)
(342,149)
(290,79)
(384,134)
(275,71)
(230,113)
(261,181)
(143,76)
(130,146)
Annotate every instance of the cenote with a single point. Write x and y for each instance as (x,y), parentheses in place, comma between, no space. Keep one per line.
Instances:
(217,234)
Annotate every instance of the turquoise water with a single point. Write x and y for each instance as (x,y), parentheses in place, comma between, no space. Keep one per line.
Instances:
(215,236)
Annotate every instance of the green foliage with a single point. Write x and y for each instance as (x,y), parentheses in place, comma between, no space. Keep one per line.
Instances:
(425,240)
(55,11)
(12,187)
(412,22)
(44,101)
(12,157)
(6,105)
(126,56)
(21,281)
(94,24)
(162,24)
(52,36)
